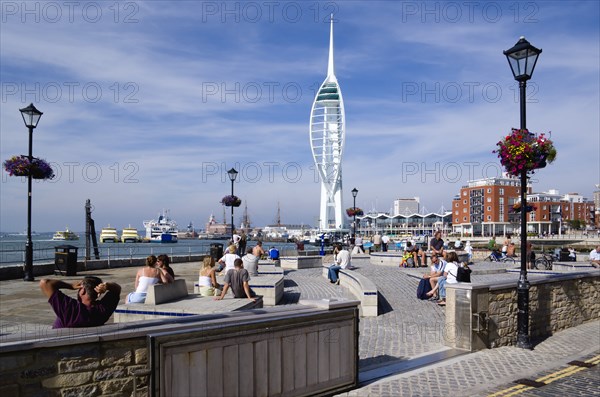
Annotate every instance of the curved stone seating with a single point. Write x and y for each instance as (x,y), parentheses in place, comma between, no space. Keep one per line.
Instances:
(361,287)
(268,285)
(386,258)
(172,300)
(301,262)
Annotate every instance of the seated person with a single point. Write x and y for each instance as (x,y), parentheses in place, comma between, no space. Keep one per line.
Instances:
(273,253)
(85,311)
(342,261)
(510,251)
(496,255)
(449,276)
(595,257)
(227,261)
(258,250)
(437,245)
(147,276)
(437,270)
(237,278)
(207,279)
(163,262)
(250,262)
(416,253)
(572,254)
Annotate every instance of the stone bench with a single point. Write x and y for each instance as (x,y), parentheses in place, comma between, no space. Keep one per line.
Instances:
(267,285)
(361,259)
(162,293)
(190,306)
(301,262)
(269,269)
(361,287)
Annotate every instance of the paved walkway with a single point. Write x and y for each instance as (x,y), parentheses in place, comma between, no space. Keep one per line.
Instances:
(406,331)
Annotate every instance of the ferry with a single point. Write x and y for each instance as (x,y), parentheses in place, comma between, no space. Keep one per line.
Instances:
(109,235)
(163,230)
(130,235)
(65,235)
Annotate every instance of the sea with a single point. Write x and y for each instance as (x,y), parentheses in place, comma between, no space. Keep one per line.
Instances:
(12,248)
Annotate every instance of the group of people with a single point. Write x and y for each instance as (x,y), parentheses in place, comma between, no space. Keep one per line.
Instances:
(443,271)
(157,270)
(237,272)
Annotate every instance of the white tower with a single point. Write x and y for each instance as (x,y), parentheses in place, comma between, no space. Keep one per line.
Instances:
(327,135)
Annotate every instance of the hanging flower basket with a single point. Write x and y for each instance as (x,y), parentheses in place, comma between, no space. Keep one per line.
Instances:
(523,150)
(352,211)
(20,166)
(231,201)
(516,208)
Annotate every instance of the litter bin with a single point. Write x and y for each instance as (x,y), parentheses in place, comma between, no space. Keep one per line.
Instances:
(216,251)
(65,259)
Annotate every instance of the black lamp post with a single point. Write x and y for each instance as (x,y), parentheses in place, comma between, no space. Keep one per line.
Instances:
(232,175)
(522,59)
(354,193)
(31,117)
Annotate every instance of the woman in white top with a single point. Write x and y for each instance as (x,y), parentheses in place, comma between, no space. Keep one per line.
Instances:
(145,277)
(207,280)
(450,276)
(229,258)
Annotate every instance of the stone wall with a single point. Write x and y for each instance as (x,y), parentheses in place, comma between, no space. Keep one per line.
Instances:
(103,361)
(88,369)
(553,306)
(486,315)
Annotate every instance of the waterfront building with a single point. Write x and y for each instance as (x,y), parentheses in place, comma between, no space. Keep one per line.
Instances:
(406,206)
(404,226)
(327,136)
(486,207)
(482,207)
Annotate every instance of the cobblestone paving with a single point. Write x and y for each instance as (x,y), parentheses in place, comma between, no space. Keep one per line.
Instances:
(487,371)
(407,326)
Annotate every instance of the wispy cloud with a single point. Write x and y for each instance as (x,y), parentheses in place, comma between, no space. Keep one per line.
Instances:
(147,108)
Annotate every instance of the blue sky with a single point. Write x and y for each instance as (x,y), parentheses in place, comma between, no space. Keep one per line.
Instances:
(148,104)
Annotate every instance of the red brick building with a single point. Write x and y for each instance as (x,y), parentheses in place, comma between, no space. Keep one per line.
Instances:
(485,208)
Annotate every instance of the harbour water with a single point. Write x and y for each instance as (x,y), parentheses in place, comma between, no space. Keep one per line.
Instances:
(12,248)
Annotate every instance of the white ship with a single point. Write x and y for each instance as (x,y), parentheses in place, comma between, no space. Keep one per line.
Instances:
(163,230)
(109,235)
(130,235)
(65,235)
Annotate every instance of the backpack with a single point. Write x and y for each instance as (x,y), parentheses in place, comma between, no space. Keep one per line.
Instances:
(423,288)
(463,274)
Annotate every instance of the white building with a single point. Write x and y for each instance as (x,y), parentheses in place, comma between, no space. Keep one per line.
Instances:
(406,206)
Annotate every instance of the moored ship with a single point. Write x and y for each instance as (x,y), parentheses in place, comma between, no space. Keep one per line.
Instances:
(163,230)
(109,235)
(130,235)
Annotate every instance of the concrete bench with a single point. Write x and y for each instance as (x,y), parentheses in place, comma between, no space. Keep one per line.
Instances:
(269,286)
(301,262)
(361,259)
(386,258)
(361,287)
(269,269)
(190,306)
(162,293)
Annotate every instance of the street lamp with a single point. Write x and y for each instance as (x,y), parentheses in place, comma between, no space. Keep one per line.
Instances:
(31,117)
(232,175)
(522,58)
(354,193)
